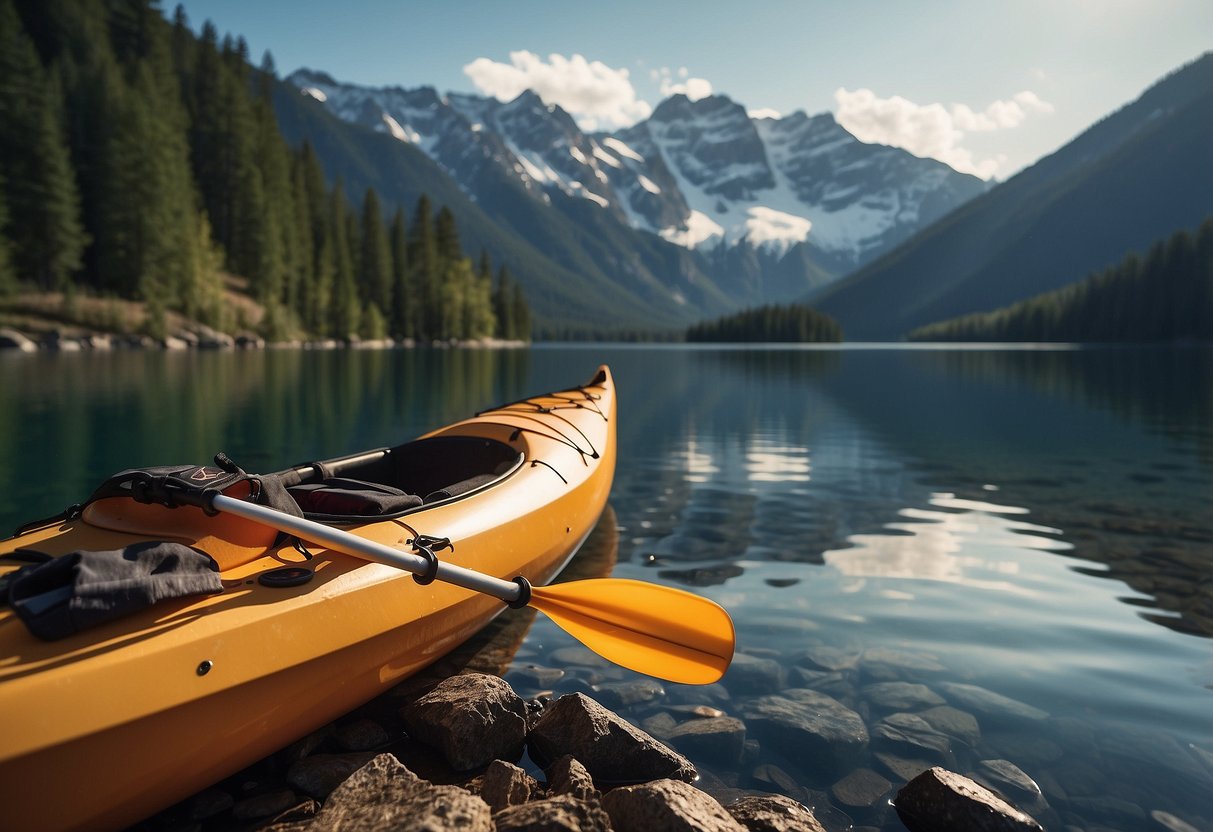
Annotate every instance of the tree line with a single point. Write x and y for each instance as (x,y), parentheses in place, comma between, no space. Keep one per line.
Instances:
(776,323)
(1163,297)
(140,161)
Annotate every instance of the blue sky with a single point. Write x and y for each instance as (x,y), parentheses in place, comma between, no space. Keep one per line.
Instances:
(987,87)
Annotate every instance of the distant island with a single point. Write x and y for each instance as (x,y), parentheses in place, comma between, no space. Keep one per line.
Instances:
(792,323)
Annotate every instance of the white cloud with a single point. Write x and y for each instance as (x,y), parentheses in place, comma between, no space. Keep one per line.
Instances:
(596,95)
(692,88)
(934,130)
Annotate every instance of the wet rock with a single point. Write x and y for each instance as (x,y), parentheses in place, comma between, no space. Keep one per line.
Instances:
(750,674)
(990,705)
(804,723)
(660,725)
(318,775)
(774,813)
(623,694)
(903,768)
(702,711)
(567,776)
(666,806)
(362,735)
(828,682)
(953,722)
(564,813)
(900,696)
(883,664)
(11,339)
(713,694)
(826,658)
(505,784)
(1171,822)
(772,778)
(862,787)
(384,795)
(942,801)
(536,676)
(610,749)
(472,719)
(719,740)
(1007,778)
(911,732)
(264,805)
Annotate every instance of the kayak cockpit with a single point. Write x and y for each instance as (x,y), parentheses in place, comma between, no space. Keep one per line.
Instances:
(390,482)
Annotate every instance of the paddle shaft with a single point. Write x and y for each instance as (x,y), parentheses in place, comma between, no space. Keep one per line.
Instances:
(508,591)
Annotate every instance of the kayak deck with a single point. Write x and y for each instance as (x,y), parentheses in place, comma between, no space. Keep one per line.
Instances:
(106,727)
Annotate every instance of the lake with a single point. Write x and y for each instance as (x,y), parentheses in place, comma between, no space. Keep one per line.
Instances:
(1013,546)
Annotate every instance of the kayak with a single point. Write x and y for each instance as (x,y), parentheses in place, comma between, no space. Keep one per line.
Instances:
(106,725)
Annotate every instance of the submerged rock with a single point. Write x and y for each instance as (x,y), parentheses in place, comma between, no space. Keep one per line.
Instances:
(862,787)
(612,750)
(720,740)
(942,801)
(989,704)
(804,723)
(472,719)
(667,805)
(900,696)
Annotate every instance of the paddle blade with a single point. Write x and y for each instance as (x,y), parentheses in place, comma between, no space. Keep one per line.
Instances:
(652,629)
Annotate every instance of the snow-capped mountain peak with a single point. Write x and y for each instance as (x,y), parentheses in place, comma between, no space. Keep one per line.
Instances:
(699,174)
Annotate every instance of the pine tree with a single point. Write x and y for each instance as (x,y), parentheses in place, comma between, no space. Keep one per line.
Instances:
(403,324)
(375,261)
(44,207)
(424,266)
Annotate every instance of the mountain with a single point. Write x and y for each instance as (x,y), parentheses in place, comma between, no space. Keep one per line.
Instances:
(577,275)
(742,210)
(1137,176)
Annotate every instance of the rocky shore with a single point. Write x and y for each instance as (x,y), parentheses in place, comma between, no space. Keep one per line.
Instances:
(205,338)
(444,753)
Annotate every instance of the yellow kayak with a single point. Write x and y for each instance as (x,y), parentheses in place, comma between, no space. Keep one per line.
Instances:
(105,726)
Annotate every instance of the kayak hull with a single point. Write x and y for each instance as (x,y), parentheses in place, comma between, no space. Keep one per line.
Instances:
(111,725)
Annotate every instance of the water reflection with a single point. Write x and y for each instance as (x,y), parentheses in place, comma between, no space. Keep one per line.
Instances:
(1031,524)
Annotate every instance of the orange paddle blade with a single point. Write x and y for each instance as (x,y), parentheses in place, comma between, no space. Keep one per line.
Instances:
(649,628)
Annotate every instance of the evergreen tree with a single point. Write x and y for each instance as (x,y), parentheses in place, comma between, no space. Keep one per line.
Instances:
(423,264)
(40,189)
(375,261)
(403,324)
(346,310)
(8,277)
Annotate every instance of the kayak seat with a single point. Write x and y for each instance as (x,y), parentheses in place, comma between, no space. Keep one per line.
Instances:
(346,497)
(392,481)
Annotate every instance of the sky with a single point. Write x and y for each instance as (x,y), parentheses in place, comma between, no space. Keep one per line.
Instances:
(987,87)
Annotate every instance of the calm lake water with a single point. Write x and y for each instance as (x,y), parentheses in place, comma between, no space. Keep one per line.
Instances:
(1027,534)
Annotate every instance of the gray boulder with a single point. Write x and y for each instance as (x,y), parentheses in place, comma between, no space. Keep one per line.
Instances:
(774,813)
(939,800)
(564,813)
(612,750)
(667,806)
(472,719)
(384,795)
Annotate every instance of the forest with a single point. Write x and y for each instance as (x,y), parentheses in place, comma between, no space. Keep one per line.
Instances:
(792,323)
(1165,296)
(142,162)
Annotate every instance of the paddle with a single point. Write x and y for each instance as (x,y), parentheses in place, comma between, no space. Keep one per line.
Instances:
(652,629)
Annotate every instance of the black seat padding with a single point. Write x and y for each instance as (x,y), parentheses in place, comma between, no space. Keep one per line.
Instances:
(341,497)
